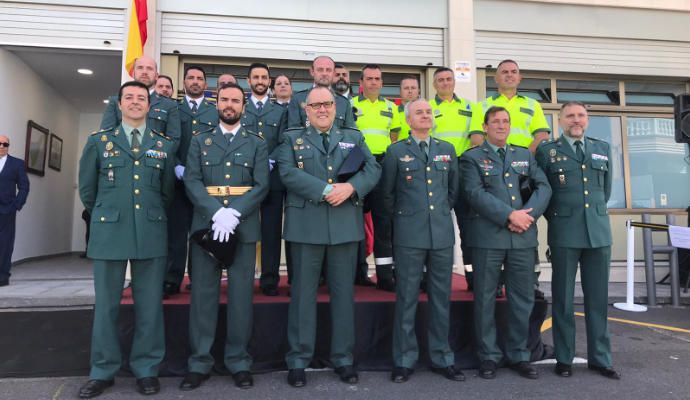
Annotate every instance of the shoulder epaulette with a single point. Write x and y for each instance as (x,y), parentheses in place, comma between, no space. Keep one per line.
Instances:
(255,134)
(161,134)
(518,146)
(475,148)
(595,139)
(102,131)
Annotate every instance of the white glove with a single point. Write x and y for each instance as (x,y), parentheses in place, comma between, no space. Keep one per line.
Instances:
(227,217)
(220,233)
(179,171)
(270,164)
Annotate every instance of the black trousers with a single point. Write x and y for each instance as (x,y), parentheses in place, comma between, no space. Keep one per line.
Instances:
(179,224)
(271,228)
(7,230)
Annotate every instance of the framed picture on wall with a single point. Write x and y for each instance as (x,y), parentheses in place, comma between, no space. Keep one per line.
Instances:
(55,157)
(36,148)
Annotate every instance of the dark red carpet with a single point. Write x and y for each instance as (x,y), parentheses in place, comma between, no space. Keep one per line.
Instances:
(362,294)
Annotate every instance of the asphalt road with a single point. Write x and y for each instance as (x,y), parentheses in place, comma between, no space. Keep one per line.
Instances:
(653,361)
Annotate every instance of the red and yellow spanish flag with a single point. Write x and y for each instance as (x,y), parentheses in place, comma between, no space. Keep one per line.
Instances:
(136,37)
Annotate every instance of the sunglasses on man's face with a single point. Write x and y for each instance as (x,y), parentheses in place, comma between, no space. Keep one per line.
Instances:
(4,144)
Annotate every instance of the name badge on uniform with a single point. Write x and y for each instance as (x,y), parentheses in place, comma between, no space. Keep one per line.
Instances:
(516,164)
(599,157)
(345,146)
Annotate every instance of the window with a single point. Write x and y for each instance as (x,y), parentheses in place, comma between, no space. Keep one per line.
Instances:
(658,165)
(637,123)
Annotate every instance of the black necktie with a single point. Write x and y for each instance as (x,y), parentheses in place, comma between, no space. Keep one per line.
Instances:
(324,137)
(502,152)
(229,136)
(135,140)
(424,147)
(259,105)
(578,150)
(194,107)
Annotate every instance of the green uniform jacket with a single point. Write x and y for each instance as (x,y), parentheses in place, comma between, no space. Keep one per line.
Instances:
(419,196)
(212,161)
(297,117)
(270,125)
(577,213)
(491,189)
(205,119)
(306,168)
(163,116)
(127,194)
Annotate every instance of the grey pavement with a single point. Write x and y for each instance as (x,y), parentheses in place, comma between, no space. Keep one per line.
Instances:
(67,281)
(652,361)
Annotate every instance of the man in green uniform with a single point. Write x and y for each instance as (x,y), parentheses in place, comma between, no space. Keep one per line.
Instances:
(323,220)
(197,115)
(528,126)
(268,120)
(378,120)
(226,180)
(163,116)
(420,181)
(579,171)
(505,192)
(323,71)
(126,183)
(409,91)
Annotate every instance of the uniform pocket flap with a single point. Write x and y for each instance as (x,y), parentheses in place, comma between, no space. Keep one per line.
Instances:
(157,214)
(211,160)
(115,162)
(243,161)
(153,162)
(105,214)
(158,114)
(601,165)
(560,212)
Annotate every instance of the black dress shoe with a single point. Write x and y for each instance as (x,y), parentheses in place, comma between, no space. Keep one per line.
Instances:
(4,282)
(449,372)
(188,286)
(347,374)
(193,380)
(401,374)
(94,387)
(364,281)
(148,386)
(171,289)
(564,370)
(269,291)
(243,379)
(525,369)
(386,284)
(608,372)
(487,369)
(297,377)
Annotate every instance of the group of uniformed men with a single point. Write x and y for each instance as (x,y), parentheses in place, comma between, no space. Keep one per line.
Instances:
(160,169)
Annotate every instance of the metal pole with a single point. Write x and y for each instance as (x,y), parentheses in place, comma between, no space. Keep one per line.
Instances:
(649,262)
(673,269)
(629,304)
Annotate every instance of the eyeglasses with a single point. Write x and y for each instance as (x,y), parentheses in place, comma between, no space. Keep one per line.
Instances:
(324,104)
(4,144)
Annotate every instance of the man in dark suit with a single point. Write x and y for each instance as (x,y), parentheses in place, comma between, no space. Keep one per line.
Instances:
(14,188)
(579,171)
(505,193)
(268,120)
(323,220)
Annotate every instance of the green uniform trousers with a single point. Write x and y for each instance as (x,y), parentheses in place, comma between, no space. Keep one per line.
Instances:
(203,315)
(409,268)
(148,346)
(594,275)
(340,275)
(519,276)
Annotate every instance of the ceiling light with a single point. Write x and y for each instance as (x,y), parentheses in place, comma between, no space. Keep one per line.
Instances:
(85,71)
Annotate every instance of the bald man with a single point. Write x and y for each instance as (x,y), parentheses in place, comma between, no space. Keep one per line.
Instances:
(163,116)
